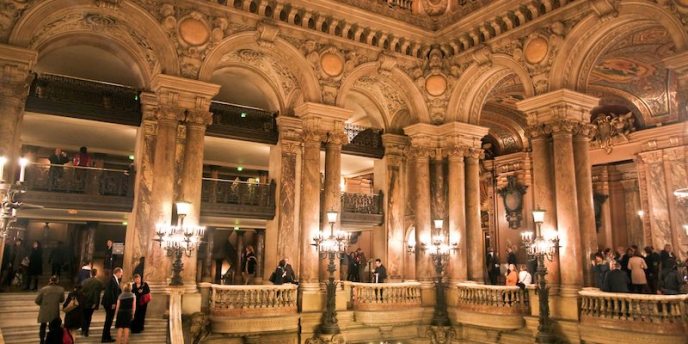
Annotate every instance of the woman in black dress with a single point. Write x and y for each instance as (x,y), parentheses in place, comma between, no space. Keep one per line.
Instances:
(35,269)
(140,290)
(248,265)
(73,317)
(126,306)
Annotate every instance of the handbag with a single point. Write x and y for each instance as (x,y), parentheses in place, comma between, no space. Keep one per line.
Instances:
(73,304)
(145,298)
(66,336)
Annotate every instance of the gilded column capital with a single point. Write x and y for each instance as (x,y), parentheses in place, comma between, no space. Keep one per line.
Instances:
(15,71)
(536,132)
(585,131)
(396,148)
(336,137)
(456,152)
(198,117)
(561,127)
(422,153)
(475,153)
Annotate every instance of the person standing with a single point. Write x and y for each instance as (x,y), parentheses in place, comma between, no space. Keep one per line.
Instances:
(138,269)
(380,272)
(492,263)
(652,272)
(85,272)
(248,264)
(35,266)
(291,275)
(511,276)
(279,275)
(524,277)
(57,259)
(110,297)
(142,293)
(616,281)
(667,260)
(15,255)
(109,261)
(510,256)
(671,282)
(91,288)
(56,334)
(600,269)
(353,267)
(49,299)
(637,266)
(126,306)
(74,309)
(57,161)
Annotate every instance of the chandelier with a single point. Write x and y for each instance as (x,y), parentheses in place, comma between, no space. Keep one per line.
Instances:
(539,244)
(439,245)
(178,240)
(336,241)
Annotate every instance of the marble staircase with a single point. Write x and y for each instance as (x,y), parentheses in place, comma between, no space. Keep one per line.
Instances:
(18,314)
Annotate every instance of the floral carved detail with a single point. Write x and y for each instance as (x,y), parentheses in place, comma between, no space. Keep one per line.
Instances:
(267,64)
(611,128)
(383,92)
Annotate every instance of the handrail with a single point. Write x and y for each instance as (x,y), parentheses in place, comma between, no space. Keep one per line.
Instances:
(78,167)
(253,300)
(384,296)
(233,181)
(492,299)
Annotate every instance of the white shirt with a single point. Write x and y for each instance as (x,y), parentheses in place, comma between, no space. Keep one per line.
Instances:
(525,277)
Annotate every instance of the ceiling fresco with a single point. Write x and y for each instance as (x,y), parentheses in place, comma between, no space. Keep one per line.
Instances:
(632,68)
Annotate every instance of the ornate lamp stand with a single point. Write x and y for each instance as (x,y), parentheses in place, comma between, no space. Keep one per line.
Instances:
(330,247)
(179,240)
(10,202)
(541,248)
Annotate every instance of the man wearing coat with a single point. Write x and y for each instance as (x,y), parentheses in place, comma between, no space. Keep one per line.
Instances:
(49,299)
(91,288)
(492,265)
(112,291)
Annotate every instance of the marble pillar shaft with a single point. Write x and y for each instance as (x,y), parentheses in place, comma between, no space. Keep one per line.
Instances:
(543,193)
(282,234)
(208,261)
(424,271)
(332,197)
(310,208)
(394,216)
(586,207)
(570,254)
(474,233)
(438,189)
(457,216)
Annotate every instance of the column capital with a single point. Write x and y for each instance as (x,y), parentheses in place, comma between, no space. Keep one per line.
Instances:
(187,94)
(328,115)
(475,153)
(455,152)
(458,133)
(198,117)
(558,105)
(15,71)
(561,127)
(395,144)
(289,128)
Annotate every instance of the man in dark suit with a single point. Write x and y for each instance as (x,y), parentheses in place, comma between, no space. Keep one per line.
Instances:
(492,263)
(112,291)
(380,272)
(91,288)
(617,280)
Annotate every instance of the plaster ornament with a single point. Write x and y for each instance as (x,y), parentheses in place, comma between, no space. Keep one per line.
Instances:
(332,64)
(483,56)
(219,27)
(611,128)
(267,33)
(387,63)
(436,84)
(193,31)
(536,50)
(169,21)
(435,7)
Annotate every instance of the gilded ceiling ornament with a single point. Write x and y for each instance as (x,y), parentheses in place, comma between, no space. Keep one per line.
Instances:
(435,7)
(611,128)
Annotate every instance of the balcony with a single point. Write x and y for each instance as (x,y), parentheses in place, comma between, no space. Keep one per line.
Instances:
(242,123)
(646,318)
(378,304)
(235,198)
(74,187)
(492,306)
(361,209)
(363,141)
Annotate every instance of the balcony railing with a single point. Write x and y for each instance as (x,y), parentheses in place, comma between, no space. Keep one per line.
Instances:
(81,98)
(660,314)
(364,141)
(238,198)
(384,296)
(362,203)
(244,123)
(77,179)
(492,299)
(252,300)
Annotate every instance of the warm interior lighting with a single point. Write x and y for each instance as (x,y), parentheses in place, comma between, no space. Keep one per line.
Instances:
(183,208)
(538,216)
(439,223)
(681,193)
(641,213)
(3,161)
(331,216)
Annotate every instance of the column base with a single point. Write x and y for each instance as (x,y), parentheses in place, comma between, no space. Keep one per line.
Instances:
(565,304)
(427,294)
(311,297)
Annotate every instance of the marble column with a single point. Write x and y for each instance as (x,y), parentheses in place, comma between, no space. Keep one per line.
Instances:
(15,78)
(310,202)
(260,255)
(89,245)
(238,272)
(543,190)
(570,254)
(332,194)
(394,203)
(586,206)
(474,232)
(424,270)
(208,261)
(456,211)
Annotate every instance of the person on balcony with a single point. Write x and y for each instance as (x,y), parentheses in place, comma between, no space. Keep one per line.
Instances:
(380,272)
(492,264)
(667,260)
(671,282)
(524,277)
(637,266)
(652,272)
(617,281)
(291,275)
(511,276)
(57,161)
(80,160)
(600,269)
(510,256)
(279,276)
(248,265)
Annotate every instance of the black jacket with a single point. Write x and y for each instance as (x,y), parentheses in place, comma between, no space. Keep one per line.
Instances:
(381,273)
(112,291)
(492,263)
(617,281)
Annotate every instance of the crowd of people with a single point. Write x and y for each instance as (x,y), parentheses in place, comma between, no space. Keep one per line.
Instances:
(646,271)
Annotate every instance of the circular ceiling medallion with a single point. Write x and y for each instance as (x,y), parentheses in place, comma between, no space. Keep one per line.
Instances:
(331,64)
(436,85)
(536,50)
(193,31)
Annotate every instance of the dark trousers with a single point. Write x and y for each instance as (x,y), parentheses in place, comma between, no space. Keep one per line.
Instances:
(218,270)
(493,277)
(41,332)
(109,316)
(86,321)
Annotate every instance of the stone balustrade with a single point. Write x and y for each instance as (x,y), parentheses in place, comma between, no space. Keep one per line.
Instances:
(252,300)
(658,314)
(384,296)
(493,299)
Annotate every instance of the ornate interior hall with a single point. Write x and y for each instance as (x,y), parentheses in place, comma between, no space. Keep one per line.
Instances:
(271,160)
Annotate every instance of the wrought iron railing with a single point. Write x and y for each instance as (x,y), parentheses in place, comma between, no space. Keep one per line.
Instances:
(364,141)
(240,122)
(361,203)
(81,98)
(237,192)
(77,179)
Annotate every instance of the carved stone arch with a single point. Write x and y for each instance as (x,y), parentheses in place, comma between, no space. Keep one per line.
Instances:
(290,61)
(413,98)
(509,119)
(631,101)
(468,96)
(383,115)
(584,37)
(150,48)
(500,126)
(275,97)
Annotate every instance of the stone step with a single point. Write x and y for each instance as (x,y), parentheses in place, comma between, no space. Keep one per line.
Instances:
(155,332)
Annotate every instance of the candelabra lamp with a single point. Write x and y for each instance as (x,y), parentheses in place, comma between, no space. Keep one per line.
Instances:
(330,246)
(440,249)
(179,240)
(541,247)
(9,193)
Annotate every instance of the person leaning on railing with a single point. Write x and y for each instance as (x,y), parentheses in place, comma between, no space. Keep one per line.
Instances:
(671,282)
